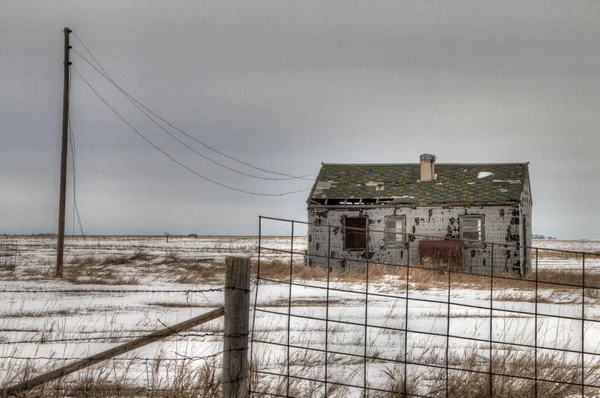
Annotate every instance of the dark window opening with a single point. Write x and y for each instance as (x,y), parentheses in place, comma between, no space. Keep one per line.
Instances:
(355,233)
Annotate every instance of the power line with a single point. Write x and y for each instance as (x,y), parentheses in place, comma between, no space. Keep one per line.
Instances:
(140,107)
(171,157)
(138,104)
(75,207)
(146,113)
(72,145)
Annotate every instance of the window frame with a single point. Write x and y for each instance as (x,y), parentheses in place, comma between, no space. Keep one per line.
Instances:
(472,242)
(399,242)
(365,232)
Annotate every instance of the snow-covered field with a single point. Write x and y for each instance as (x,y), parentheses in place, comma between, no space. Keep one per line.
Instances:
(118,288)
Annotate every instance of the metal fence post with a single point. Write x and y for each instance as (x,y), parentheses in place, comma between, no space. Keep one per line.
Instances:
(237,319)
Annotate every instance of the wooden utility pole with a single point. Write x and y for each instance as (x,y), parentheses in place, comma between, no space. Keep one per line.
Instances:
(236,325)
(60,248)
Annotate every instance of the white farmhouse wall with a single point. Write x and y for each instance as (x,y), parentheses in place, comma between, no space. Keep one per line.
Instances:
(501,225)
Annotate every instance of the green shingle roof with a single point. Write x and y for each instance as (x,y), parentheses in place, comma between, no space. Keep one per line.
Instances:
(455,183)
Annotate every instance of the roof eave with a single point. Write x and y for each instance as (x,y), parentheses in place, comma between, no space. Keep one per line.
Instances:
(413,204)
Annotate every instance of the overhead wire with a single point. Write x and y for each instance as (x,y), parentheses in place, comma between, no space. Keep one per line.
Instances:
(140,107)
(138,132)
(138,104)
(70,139)
(76,213)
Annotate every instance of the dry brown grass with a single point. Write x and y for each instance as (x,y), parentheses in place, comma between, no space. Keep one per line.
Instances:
(191,272)
(39,314)
(551,366)
(98,275)
(120,269)
(508,365)
(113,259)
(186,380)
(8,266)
(549,281)
(574,278)
(563,255)
(280,270)
(189,380)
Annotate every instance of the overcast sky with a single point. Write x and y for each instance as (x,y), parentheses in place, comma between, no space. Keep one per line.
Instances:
(285,86)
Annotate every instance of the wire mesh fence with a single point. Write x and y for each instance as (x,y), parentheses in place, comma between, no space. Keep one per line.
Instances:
(441,322)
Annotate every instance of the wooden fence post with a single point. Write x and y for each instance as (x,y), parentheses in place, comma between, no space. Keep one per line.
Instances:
(236,327)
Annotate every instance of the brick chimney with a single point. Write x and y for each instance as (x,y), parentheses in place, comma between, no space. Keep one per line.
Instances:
(427,167)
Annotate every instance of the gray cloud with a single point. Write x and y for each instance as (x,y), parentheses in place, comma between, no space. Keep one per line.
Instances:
(290,85)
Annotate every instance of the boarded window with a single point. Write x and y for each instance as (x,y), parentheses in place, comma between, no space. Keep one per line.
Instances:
(355,233)
(471,230)
(395,230)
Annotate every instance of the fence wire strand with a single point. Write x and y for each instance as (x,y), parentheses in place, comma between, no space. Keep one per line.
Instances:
(544,299)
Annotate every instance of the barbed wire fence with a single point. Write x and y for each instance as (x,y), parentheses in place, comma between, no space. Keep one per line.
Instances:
(425,327)
(184,362)
(157,371)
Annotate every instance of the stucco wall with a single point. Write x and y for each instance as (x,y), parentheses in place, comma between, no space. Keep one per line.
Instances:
(501,225)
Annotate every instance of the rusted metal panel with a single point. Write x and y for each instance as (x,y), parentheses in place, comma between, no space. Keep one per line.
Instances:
(441,254)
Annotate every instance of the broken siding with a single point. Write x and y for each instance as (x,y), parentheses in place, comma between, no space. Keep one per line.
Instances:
(501,224)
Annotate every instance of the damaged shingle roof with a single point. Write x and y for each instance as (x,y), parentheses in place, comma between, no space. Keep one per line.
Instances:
(455,183)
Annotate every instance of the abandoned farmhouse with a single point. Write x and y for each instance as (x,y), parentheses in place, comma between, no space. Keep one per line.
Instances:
(471,217)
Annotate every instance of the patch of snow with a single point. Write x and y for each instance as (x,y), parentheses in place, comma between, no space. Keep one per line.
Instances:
(119,312)
(509,181)
(323,185)
(373,184)
(484,174)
